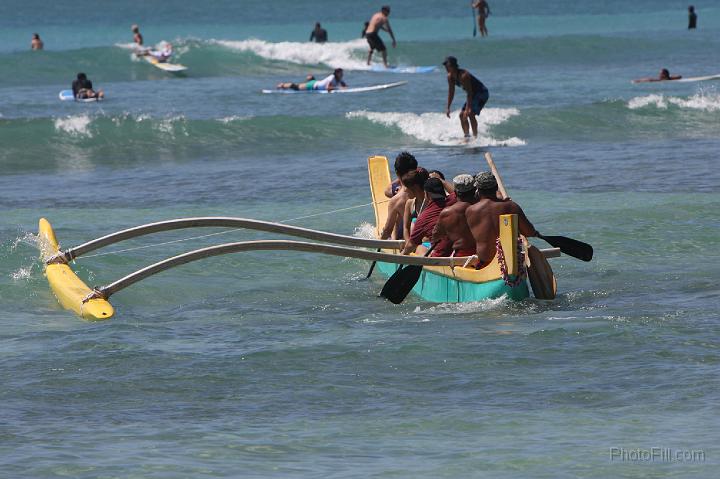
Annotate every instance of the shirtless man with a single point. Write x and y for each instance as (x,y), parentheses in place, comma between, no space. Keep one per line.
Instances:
(137,36)
(379,21)
(319,34)
(477,95)
(404,163)
(664,76)
(483,217)
(36,43)
(483,12)
(452,223)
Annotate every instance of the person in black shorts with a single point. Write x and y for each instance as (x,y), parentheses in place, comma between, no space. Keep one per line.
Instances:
(477,95)
(379,21)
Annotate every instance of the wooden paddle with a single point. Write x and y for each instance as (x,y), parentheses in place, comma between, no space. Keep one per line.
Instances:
(571,247)
(540,274)
(402,282)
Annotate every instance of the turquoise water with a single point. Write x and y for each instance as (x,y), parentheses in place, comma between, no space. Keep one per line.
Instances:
(287,364)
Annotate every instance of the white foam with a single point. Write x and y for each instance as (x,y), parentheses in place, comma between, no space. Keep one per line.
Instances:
(464,308)
(365,230)
(126,46)
(22,273)
(172,125)
(234,118)
(74,125)
(437,129)
(348,55)
(702,100)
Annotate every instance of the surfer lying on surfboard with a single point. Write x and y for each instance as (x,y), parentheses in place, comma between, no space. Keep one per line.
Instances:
(162,55)
(664,76)
(83,88)
(329,83)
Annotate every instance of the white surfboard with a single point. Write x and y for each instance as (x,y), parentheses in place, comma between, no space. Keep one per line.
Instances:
(342,90)
(67,95)
(402,69)
(168,67)
(705,78)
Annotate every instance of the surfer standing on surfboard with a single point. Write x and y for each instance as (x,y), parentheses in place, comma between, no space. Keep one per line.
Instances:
(477,95)
(137,36)
(379,21)
(483,11)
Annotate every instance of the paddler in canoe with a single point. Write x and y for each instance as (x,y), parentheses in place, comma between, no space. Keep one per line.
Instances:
(482,217)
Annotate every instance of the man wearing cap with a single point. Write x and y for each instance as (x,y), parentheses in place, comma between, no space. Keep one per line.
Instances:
(484,216)
(435,202)
(477,95)
(379,21)
(452,223)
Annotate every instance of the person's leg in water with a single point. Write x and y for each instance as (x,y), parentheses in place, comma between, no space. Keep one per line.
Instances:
(287,86)
(473,124)
(384,55)
(464,123)
(370,55)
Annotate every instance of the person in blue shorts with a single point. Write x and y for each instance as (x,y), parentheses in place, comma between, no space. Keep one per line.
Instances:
(477,95)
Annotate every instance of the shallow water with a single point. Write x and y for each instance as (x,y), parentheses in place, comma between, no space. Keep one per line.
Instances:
(287,364)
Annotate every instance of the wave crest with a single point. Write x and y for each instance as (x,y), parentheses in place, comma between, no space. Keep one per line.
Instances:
(335,54)
(705,101)
(437,129)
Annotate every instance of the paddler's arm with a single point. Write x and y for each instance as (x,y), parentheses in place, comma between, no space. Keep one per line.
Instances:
(389,189)
(451,94)
(390,225)
(410,247)
(407,218)
(526,227)
(439,230)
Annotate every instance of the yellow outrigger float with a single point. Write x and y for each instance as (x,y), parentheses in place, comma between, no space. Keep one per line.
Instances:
(70,290)
(92,303)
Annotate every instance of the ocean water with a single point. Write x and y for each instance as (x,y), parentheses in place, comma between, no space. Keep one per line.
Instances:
(289,365)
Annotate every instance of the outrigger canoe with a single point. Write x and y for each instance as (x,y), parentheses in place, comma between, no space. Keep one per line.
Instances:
(504,276)
(444,279)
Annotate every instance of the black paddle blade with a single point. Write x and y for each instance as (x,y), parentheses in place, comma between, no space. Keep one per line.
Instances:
(401,283)
(372,267)
(571,247)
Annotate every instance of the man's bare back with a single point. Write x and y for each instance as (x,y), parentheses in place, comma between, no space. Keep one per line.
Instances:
(483,220)
(378,22)
(453,224)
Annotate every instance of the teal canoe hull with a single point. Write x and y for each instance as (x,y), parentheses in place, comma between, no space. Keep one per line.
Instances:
(441,289)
